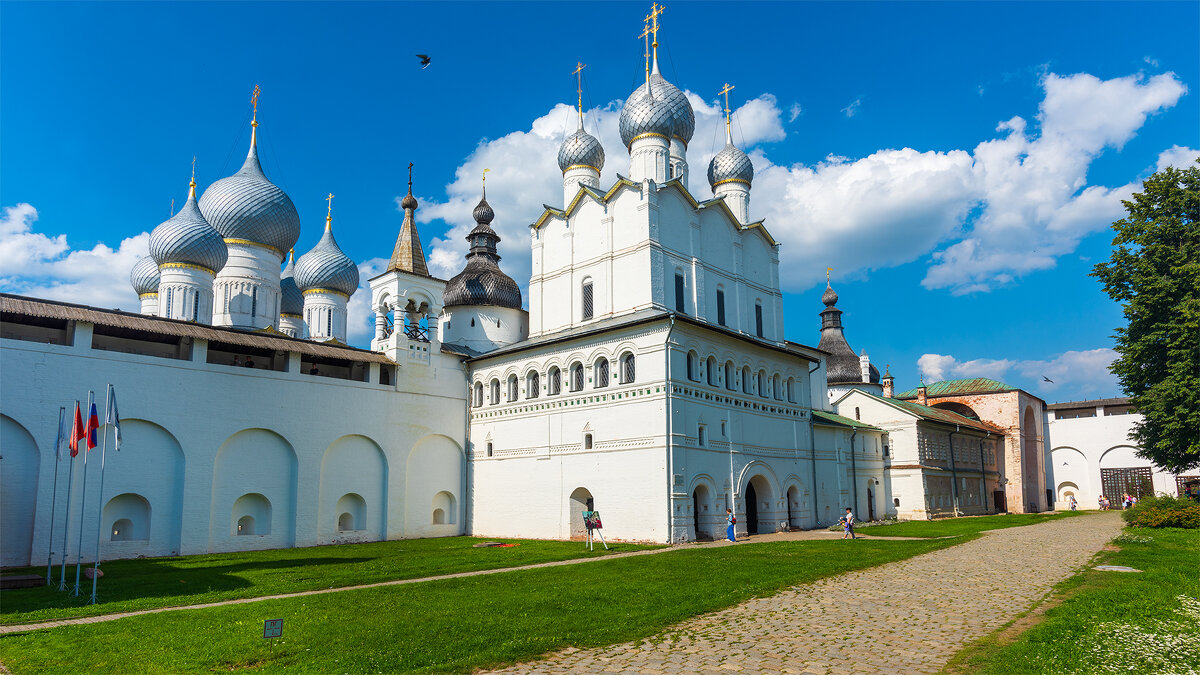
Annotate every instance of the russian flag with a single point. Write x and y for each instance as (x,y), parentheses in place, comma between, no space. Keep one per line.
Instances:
(93,425)
(77,433)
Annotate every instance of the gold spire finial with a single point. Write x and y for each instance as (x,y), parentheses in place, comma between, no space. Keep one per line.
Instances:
(191,185)
(485,172)
(578,73)
(728,88)
(656,10)
(291,254)
(827,271)
(254,102)
(645,37)
(329,213)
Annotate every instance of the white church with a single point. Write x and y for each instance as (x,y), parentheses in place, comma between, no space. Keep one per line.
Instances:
(649,379)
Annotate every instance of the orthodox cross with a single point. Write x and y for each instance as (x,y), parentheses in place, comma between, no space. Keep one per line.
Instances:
(329,214)
(254,102)
(728,88)
(645,36)
(579,66)
(827,271)
(656,10)
(410,166)
(172,207)
(193,171)
(485,177)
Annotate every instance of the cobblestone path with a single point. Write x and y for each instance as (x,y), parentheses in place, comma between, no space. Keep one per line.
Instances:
(904,617)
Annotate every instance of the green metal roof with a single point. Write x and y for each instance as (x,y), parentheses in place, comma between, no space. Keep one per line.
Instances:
(937,414)
(833,418)
(974,385)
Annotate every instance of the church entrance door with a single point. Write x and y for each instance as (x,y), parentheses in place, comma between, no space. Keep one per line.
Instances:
(751,509)
(870,504)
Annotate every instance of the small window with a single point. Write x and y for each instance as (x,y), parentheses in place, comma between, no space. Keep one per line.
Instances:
(724,433)
(857,414)
(254,301)
(170,297)
(472,322)
(601,373)
(680,304)
(512,388)
(776,389)
(791,390)
(478,394)
(701,438)
(587,441)
(577,377)
(495,397)
(710,371)
(196,307)
(587,299)
(554,382)
(721,306)
(693,366)
(489,449)
(746,380)
(627,369)
(329,323)
(885,454)
(532,385)
(762,383)
(729,375)
(758,320)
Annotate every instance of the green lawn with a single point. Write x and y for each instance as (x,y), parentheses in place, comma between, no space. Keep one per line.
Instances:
(953,527)
(456,625)
(1112,622)
(189,580)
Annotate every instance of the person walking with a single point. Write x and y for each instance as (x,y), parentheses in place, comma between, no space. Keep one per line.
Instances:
(730,521)
(848,525)
(1074,504)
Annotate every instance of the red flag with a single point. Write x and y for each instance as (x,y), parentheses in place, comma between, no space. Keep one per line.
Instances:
(76,431)
(93,425)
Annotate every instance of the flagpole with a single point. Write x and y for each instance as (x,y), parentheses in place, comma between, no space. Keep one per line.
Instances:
(54,498)
(62,578)
(100,511)
(83,498)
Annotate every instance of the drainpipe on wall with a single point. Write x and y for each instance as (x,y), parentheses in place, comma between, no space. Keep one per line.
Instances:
(670,449)
(854,471)
(954,472)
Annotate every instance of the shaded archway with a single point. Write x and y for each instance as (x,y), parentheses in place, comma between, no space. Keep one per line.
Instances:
(751,496)
(701,498)
(1031,463)
(19,463)
(960,408)
(793,506)
(581,500)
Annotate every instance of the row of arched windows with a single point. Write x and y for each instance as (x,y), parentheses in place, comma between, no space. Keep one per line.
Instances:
(601,369)
(710,372)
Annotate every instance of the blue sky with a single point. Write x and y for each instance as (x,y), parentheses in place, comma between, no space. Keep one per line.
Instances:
(957,164)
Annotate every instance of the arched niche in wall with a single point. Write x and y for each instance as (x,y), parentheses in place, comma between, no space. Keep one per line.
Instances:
(435,464)
(18,491)
(355,465)
(254,462)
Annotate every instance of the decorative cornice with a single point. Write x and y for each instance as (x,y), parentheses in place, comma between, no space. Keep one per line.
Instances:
(730,180)
(186,266)
(649,134)
(247,242)
(581,166)
(285,315)
(329,291)
(143,296)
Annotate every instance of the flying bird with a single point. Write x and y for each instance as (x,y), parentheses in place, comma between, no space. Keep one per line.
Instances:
(1048,379)
(424,60)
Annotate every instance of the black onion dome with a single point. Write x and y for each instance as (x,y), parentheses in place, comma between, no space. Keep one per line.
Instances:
(482,282)
(842,364)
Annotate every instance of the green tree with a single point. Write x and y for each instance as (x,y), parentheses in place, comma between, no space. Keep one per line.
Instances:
(1154,272)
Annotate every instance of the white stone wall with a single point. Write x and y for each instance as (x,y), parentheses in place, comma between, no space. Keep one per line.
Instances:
(199,436)
(1079,448)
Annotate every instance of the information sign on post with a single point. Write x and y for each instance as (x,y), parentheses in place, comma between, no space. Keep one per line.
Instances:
(273,628)
(591,520)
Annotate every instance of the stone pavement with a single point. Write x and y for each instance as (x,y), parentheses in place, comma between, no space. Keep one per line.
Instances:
(904,617)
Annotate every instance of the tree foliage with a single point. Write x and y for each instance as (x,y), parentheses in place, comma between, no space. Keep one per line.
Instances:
(1154,272)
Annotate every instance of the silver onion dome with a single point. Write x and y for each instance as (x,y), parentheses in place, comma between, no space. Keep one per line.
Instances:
(325,266)
(291,299)
(664,110)
(188,238)
(144,276)
(730,165)
(247,206)
(482,282)
(581,149)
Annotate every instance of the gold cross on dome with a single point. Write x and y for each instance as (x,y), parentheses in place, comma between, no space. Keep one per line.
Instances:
(578,72)
(656,10)
(728,88)
(193,171)
(827,271)
(329,200)
(254,101)
(485,172)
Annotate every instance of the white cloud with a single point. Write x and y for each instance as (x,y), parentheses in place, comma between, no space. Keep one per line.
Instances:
(852,109)
(45,266)
(794,112)
(987,215)
(1074,374)
(1178,157)
(360,316)
(1150,61)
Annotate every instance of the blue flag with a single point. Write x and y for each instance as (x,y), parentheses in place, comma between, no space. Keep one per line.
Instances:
(112,418)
